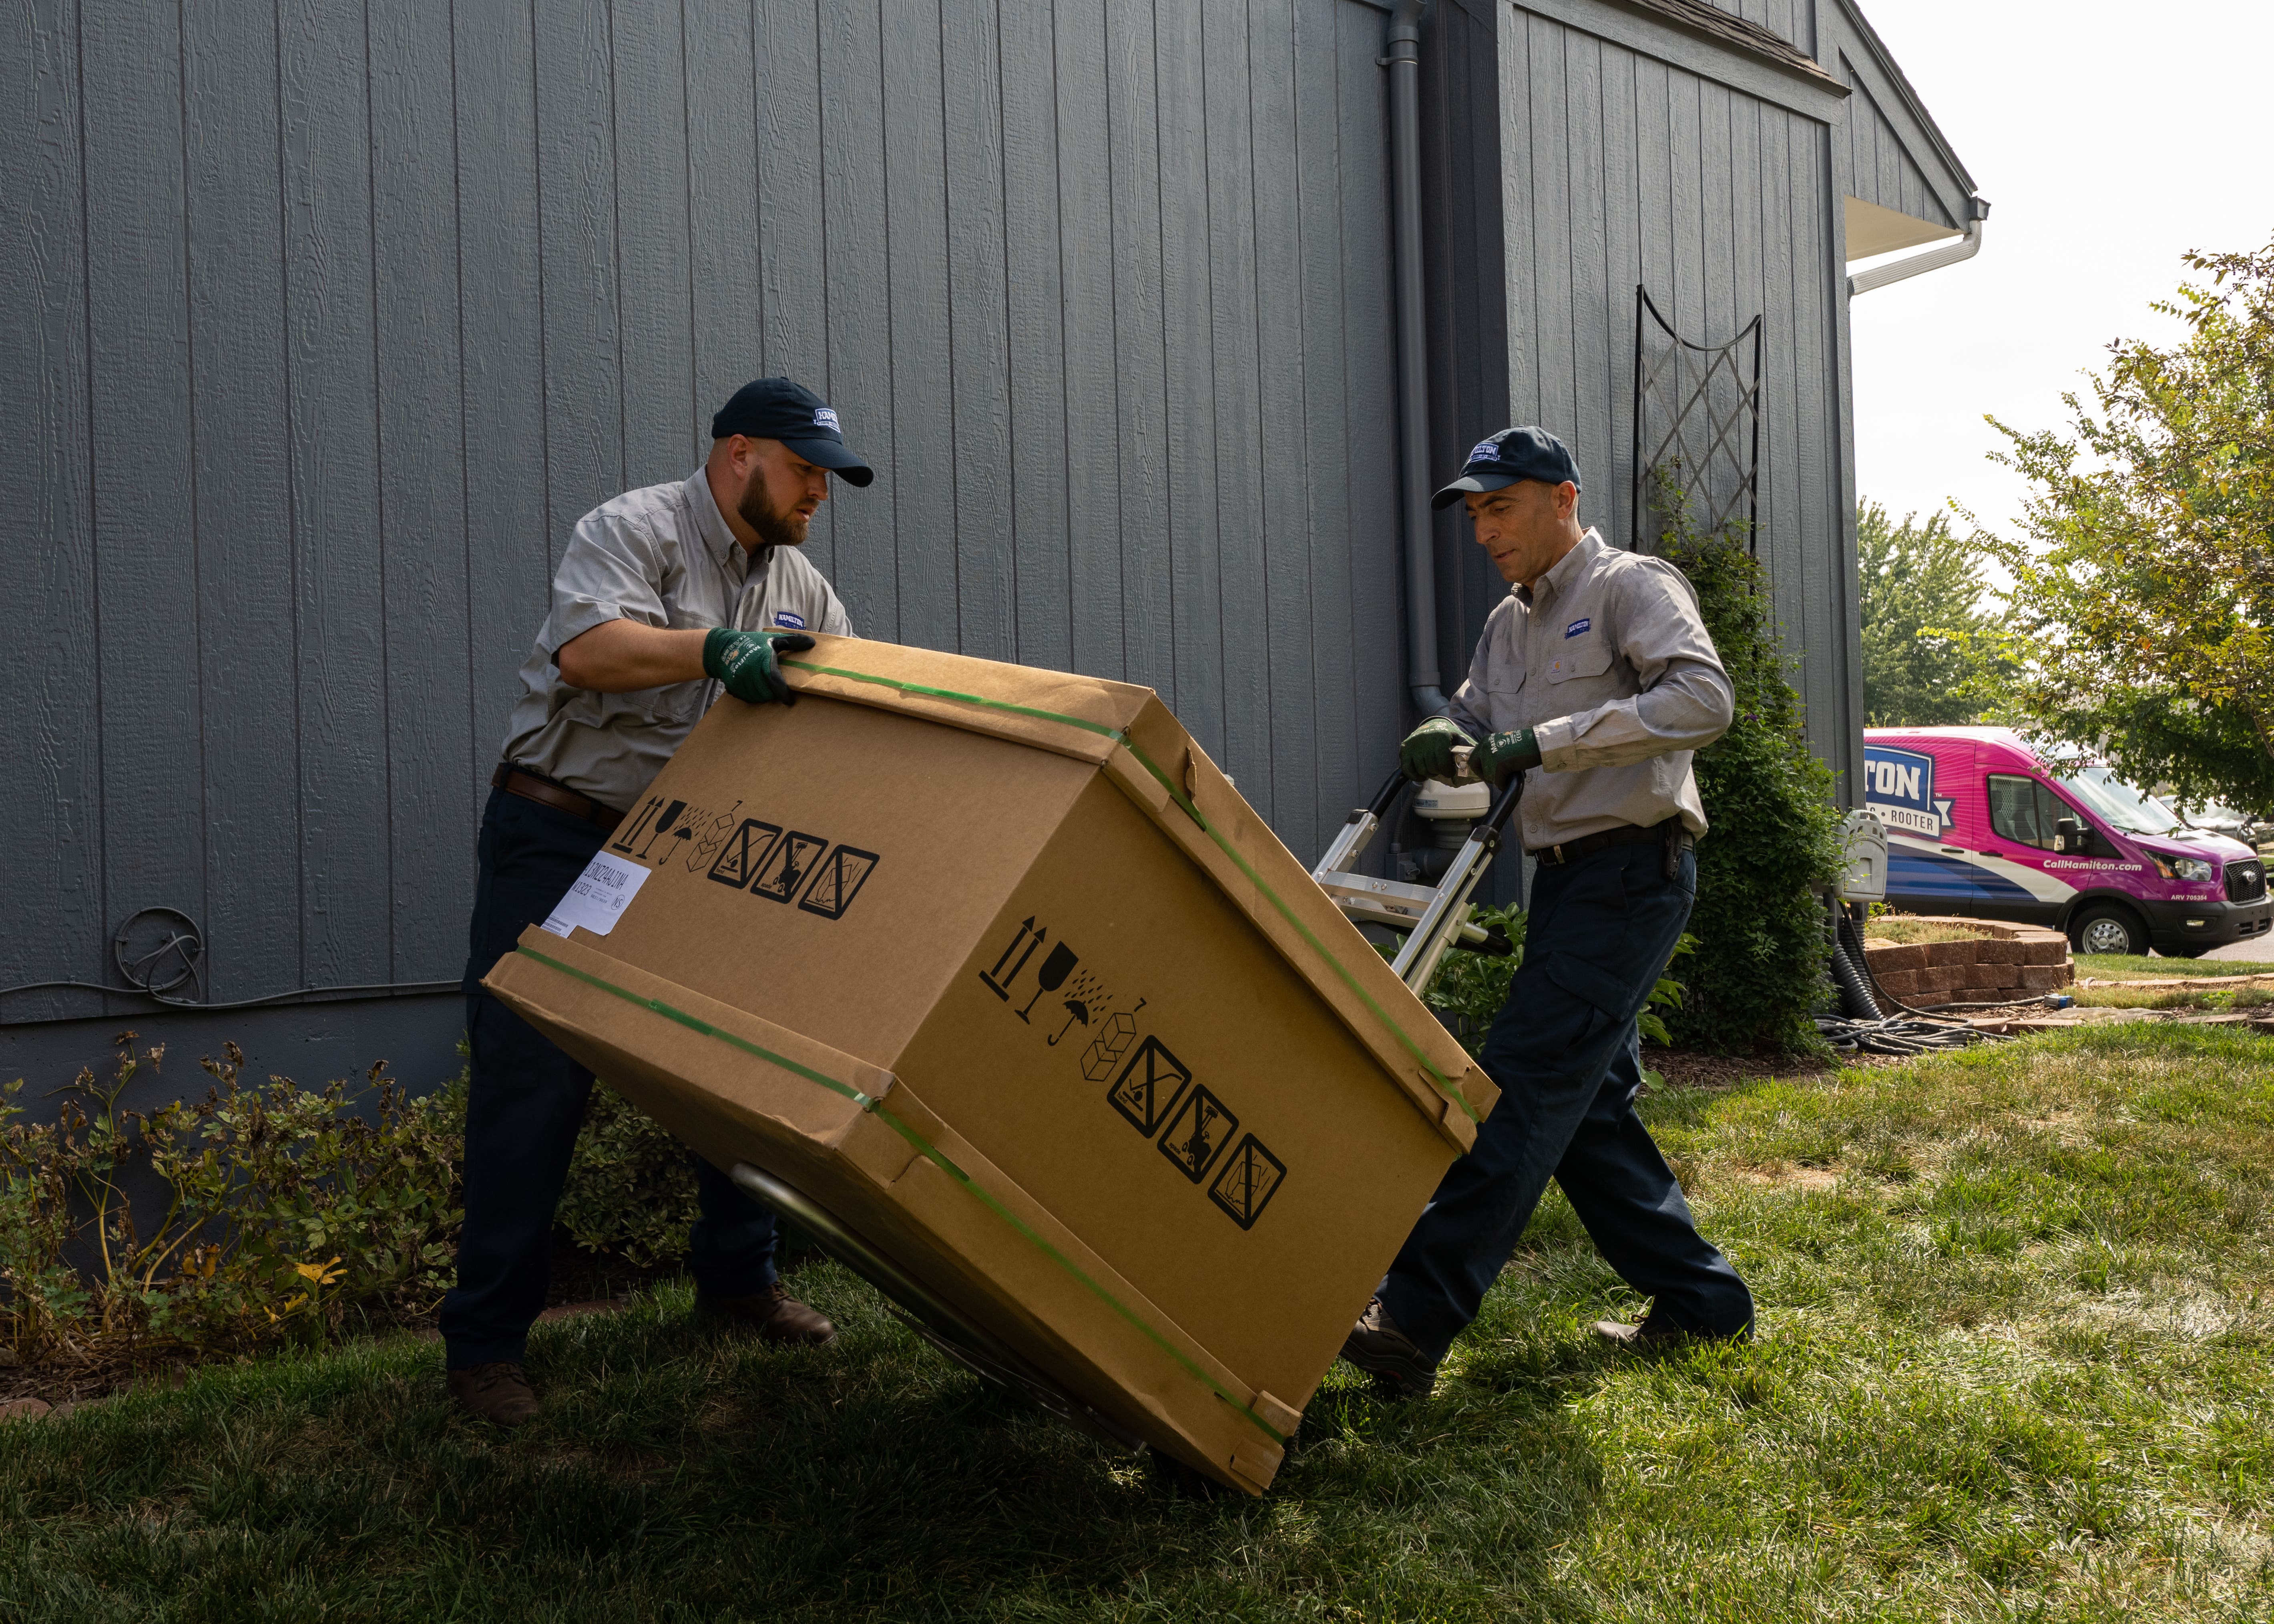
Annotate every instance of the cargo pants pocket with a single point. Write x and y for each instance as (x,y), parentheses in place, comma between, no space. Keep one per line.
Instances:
(1609,1001)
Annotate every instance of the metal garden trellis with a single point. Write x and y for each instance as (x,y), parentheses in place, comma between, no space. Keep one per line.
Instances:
(1704,404)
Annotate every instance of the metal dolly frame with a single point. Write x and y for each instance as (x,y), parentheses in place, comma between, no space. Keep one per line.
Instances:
(1434,917)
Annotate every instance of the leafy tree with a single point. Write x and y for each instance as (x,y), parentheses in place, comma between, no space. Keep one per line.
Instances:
(2144,580)
(1921,591)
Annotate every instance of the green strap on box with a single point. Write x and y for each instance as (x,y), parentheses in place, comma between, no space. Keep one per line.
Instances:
(931,1153)
(1183,801)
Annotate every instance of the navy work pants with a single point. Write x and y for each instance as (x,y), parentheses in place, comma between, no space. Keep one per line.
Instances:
(528,1103)
(1568,1059)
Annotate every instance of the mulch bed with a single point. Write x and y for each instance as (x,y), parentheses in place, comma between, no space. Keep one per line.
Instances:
(1682,1070)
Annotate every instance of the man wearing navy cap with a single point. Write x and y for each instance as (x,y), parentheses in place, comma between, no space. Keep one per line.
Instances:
(1596,677)
(665,598)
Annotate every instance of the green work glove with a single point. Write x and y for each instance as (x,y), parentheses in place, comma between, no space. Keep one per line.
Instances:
(1503,755)
(744,661)
(1427,751)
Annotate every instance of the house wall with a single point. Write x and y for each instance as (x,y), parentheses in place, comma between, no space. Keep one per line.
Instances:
(328,319)
(1633,153)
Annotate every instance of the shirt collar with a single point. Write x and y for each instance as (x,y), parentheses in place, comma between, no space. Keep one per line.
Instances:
(1560,577)
(711,523)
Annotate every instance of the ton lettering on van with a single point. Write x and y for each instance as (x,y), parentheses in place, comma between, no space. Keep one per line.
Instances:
(1899,785)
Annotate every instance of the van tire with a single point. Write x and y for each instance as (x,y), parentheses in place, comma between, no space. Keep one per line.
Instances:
(2097,930)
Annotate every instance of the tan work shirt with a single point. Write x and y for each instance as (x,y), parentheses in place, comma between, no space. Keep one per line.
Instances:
(1607,661)
(662,556)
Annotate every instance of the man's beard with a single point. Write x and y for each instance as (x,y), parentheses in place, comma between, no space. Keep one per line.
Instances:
(775,527)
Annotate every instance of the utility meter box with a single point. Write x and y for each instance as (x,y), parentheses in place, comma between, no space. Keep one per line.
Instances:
(1866,877)
(993,965)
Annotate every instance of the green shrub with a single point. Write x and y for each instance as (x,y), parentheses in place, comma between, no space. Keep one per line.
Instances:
(283,1211)
(631,1188)
(1774,832)
(286,1212)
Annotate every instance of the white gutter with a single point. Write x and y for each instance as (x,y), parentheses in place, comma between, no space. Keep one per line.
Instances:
(1918,265)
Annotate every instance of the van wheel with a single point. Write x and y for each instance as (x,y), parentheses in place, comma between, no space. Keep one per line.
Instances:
(2107,930)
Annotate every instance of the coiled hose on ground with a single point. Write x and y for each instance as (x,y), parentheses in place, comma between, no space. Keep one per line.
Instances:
(1863,1025)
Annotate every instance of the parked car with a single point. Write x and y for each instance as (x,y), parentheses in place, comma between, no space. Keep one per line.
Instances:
(2215,818)
(1979,824)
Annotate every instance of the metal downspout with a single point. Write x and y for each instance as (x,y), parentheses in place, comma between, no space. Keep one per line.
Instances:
(1404,61)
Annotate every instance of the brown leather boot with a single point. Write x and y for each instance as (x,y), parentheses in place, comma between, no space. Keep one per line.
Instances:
(496,1392)
(773,1313)
(1651,1332)
(1376,1346)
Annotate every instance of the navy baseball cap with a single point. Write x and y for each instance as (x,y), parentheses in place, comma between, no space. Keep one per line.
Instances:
(1508,456)
(776,409)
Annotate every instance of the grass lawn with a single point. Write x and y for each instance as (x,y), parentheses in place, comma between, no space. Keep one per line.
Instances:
(2014,1365)
(2107,965)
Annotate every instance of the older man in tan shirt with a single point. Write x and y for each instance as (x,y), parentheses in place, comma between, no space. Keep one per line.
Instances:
(1596,682)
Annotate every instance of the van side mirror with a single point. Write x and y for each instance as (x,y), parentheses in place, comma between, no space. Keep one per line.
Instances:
(2068,835)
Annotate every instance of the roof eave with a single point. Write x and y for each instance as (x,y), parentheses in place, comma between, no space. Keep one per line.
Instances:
(1799,66)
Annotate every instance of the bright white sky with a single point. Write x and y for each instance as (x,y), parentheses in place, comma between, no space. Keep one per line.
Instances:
(2108,140)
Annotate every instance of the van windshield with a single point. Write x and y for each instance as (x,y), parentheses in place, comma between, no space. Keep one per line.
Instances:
(2120,804)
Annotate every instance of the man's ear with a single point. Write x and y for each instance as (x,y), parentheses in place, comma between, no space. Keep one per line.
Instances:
(1567,499)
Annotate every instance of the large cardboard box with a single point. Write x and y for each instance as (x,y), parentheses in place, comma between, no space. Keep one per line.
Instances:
(995,966)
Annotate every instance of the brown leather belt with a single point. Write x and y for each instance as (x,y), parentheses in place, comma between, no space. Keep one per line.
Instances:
(517,781)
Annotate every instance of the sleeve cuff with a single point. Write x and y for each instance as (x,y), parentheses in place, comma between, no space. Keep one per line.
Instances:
(1557,740)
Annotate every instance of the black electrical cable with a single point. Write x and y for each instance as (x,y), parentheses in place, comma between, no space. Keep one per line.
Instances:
(390,989)
(140,969)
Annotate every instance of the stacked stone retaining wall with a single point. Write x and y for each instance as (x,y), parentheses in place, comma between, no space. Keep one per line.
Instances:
(2004,963)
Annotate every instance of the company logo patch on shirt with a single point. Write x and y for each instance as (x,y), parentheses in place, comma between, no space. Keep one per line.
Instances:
(824,417)
(1487,451)
(1577,627)
(795,622)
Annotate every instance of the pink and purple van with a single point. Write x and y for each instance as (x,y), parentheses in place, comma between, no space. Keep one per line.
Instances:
(1978,823)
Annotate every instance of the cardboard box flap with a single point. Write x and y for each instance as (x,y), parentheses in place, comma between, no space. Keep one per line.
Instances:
(1188,797)
(550,980)
(1053,1280)
(1053,710)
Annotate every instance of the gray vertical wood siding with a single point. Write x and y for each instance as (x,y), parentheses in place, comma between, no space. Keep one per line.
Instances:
(1620,165)
(328,318)
(1886,151)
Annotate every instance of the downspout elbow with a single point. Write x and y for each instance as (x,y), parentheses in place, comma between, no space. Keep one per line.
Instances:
(1934,260)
